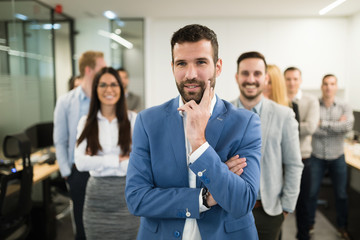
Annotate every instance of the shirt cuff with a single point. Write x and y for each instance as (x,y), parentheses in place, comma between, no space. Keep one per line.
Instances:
(123,167)
(287,210)
(198,152)
(202,208)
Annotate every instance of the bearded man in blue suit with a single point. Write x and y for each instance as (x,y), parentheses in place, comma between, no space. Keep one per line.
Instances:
(179,180)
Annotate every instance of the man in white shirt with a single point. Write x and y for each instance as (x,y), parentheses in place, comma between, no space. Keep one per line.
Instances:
(179,180)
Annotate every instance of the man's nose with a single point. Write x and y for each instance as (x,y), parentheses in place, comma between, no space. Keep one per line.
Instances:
(251,78)
(191,72)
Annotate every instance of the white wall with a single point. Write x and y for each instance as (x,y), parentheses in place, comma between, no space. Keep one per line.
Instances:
(89,39)
(86,39)
(353,63)
(316,45)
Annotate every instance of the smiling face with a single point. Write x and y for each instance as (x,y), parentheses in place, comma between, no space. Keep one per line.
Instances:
(192,67)
(108,90)
(251,78)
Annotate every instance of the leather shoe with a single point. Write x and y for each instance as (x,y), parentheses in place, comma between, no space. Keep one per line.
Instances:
(344,234)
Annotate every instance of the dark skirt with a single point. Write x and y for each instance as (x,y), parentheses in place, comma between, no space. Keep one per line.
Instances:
(106,215)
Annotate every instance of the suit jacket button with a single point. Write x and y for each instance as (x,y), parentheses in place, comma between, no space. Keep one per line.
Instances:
(200,174)
(177,234)
(188,214)
(207,181)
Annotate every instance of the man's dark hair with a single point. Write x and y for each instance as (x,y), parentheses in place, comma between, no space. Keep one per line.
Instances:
(328,75)
(251,55)
(121,69)
(195,33)
(292,69)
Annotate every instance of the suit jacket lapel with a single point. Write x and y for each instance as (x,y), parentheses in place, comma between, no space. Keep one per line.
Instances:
(216,123)
(175,128)
(266,116)
(214,128)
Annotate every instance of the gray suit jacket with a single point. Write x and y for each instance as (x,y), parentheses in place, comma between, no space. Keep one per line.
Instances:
(281,165)
(309,112)
(133,102)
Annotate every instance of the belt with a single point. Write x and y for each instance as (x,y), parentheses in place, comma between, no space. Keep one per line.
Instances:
(257,204)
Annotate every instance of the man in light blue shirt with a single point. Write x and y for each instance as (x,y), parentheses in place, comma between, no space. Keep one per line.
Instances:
(68,111)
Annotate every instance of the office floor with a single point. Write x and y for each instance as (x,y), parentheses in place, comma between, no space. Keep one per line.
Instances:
(324,228)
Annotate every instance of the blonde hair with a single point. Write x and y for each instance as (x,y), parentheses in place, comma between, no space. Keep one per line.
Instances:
(88,59)
(278,87)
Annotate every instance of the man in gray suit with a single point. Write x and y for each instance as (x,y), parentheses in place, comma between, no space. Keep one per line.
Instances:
(133,101)
(280,165)
(309,114)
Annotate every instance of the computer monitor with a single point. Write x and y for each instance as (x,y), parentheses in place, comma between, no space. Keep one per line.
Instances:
(356,127)
(40,135)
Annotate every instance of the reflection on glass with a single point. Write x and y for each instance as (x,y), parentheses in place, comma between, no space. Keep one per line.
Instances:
(132,59)
(26,66)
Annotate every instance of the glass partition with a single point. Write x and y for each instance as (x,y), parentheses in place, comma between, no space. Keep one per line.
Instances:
(127,51)
(27,65)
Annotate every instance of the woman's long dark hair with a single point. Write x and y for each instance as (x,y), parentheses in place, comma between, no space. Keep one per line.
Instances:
(91,129)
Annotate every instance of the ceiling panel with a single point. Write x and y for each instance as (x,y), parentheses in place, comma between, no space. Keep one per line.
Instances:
(204,8)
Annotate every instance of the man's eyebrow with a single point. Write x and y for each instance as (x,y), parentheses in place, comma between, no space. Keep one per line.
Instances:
(179,60)
(202,58)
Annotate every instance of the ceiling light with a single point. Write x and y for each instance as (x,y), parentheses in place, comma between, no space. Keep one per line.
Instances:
(21,16)
(49,26)
(330,7)
(116,38)
(110,14)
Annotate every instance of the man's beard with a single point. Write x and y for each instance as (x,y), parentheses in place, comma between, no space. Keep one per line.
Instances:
(243,92)
(196,96)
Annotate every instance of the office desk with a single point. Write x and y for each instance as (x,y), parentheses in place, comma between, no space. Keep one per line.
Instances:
(45,225)
(352,154)
(40,171)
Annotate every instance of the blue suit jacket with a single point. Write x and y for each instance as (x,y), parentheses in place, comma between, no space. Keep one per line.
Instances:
(157,186)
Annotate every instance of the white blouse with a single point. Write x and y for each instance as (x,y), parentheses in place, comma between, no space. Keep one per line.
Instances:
(106,162)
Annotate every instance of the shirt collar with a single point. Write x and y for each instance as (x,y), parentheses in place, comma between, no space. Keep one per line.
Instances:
(102,118)
(82,94)
(299,95)
(334,103)
(213,102)
(255,109)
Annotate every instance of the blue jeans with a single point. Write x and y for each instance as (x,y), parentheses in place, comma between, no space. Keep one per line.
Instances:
(338,174)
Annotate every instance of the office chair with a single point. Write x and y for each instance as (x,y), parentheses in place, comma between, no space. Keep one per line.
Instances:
(41,137)
(16,187)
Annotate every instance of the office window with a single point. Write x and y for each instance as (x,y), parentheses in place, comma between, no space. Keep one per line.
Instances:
(27,65)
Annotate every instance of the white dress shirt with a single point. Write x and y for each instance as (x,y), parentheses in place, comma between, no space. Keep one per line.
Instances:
(105,162)
(191,229)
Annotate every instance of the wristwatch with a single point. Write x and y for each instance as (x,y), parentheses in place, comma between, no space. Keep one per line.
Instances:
(205,194)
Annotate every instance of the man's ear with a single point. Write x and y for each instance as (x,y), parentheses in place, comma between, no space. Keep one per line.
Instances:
(236,78)
(218,67)
(87,70)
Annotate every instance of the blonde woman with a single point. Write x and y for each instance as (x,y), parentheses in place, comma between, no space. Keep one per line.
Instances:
(275,89)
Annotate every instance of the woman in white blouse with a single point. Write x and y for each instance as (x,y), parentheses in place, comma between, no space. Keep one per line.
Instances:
(103,148)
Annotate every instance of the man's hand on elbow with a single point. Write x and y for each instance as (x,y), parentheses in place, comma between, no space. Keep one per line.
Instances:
(236,164)
(210,200)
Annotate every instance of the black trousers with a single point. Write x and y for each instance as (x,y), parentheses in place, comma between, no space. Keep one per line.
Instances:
(302,205)
(77,183)
(268,227)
